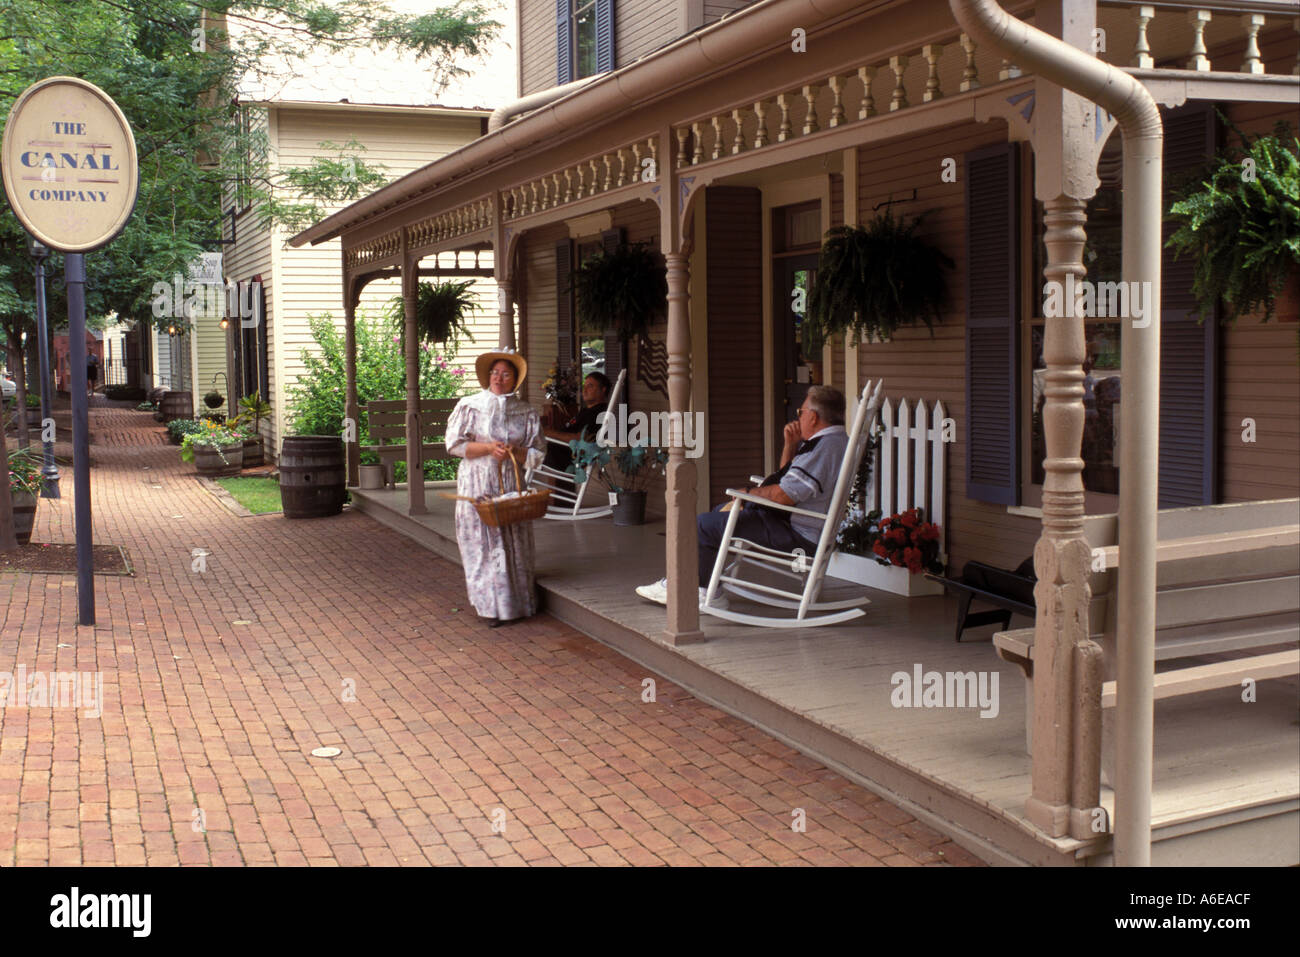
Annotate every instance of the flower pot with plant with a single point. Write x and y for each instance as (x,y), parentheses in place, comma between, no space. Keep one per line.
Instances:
(1241,223)
(623,291)
(216,450)
(252,410)
(442,311)
(177,429)
(24,491)
(370,472)
(872,279)
(625,472)
(214,400)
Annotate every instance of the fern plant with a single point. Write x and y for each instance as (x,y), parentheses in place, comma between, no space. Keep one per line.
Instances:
(625,290)
(1243,226)
(442,311)
(872,279)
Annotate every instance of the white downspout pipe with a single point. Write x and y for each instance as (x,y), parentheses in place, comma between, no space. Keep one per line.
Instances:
(1139,121)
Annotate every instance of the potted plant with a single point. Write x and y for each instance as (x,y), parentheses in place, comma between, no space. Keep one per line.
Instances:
(177,429)
(623,291)
(252,410)
(872,279)
(562,391)
(24,491)
(889,553)
(625,472)
(1241,224)
(371,471)
(214,400)
(215,450)
(442,311)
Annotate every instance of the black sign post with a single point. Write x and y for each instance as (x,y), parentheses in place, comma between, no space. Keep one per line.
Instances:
(74,271)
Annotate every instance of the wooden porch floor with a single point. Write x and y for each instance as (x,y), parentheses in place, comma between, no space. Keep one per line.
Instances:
(1227,775)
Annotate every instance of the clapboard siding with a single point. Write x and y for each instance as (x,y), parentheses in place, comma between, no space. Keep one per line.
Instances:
(1261,380)
(641,27)
(735,346)
(717,9)
(308,281)
(918,365)
(537,45)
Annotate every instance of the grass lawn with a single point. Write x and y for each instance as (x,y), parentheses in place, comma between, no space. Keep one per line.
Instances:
(258,495)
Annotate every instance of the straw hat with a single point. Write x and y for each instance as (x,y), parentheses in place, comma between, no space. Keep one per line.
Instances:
(484,363)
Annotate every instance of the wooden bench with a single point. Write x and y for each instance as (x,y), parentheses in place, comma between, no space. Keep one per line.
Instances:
(1010,592)
(387,420)
(1227,585)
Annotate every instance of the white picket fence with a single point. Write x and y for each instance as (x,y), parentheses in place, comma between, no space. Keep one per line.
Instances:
(911,464)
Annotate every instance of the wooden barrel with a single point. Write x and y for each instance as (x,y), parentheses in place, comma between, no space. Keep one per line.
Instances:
(177,405)
(313,475)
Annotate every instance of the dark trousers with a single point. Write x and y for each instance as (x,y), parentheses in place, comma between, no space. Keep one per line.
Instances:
(762,526)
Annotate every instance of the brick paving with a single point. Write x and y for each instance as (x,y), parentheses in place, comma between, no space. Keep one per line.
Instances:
(528,744)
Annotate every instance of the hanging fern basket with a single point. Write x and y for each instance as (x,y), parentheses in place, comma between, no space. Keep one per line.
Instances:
(623,291)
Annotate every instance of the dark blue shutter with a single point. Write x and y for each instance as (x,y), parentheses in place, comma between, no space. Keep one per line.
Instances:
(1189,381)
(604,36)
(992,324)
(615,344)
(563,43)
(564,304)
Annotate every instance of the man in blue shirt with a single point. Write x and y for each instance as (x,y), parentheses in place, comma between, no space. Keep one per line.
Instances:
(813,451)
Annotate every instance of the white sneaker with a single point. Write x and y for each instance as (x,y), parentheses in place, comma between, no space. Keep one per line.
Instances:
(719,600)
(658,592)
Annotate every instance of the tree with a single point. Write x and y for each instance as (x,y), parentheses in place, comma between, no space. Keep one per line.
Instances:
(176,71)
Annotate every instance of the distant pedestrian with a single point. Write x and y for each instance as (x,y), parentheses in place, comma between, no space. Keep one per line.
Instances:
(92,372)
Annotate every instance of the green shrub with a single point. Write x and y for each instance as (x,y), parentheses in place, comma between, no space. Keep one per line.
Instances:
(177,429)
(316,400)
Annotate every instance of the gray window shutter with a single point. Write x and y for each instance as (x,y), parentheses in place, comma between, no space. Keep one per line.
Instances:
(563,43)
(1189,380)
(604,35)
(564,303)
(615,344)
(992,324)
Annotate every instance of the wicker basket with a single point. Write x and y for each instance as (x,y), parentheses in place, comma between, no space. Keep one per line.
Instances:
(499,512)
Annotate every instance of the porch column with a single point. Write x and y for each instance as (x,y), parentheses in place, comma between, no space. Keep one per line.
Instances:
(1066,779)
(506,312)
(414,441)
(351,410)
(1063,654)
(682,556)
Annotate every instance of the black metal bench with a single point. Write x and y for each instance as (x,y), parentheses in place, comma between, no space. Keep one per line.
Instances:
(1011,592)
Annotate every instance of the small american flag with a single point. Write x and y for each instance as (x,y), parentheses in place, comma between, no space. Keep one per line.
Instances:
(652,364)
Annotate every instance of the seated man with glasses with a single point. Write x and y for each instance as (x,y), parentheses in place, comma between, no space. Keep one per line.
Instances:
(814,447)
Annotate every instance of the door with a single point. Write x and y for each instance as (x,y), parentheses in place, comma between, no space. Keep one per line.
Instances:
(793,277)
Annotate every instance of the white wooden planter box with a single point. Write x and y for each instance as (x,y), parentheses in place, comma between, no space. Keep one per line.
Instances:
(890,578)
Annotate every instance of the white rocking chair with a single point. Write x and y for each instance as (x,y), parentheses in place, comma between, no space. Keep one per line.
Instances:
(566,493)
(794,565)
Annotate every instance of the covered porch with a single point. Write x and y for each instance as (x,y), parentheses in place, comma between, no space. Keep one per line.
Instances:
(1225,781)
(736,106)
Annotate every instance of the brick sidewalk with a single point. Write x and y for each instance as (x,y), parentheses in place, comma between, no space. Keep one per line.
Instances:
(339,632)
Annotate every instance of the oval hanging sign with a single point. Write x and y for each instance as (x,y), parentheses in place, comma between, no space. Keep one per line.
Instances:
(69,162)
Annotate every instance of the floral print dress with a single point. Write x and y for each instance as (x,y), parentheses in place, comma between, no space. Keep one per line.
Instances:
(498,561)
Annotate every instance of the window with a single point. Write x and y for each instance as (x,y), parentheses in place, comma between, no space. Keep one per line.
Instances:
(1004,457)
(584,33)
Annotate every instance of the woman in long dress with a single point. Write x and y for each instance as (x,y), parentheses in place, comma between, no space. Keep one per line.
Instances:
(485,430)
